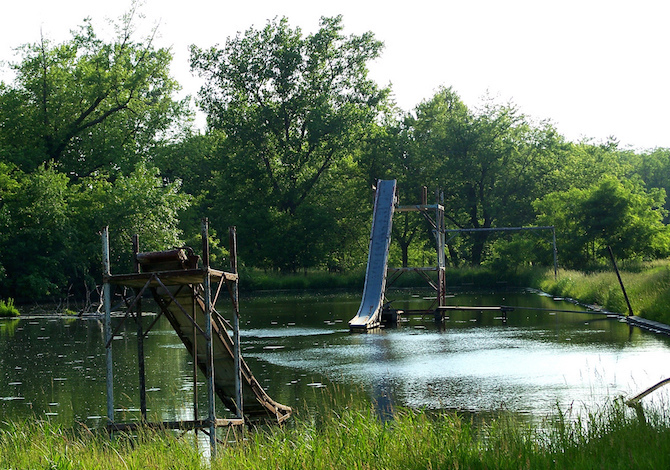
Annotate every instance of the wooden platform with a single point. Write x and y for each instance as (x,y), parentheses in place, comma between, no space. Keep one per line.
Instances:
(170,278)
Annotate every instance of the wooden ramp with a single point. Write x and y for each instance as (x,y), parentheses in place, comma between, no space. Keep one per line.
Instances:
(256,402)
(186,290)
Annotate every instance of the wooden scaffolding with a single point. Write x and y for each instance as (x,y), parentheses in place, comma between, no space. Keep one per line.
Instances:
(182,287)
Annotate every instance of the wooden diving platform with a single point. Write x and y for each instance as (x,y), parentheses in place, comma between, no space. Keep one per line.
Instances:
(186,290)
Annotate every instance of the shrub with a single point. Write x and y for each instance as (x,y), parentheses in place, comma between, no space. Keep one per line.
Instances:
(7,308)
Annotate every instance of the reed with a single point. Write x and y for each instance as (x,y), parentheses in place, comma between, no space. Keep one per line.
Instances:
(7,308)
(355,437)
(648,290)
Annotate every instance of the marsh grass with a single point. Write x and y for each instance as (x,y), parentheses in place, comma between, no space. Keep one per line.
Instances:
(648,290)
(354,437)
(8,309)
(252,280)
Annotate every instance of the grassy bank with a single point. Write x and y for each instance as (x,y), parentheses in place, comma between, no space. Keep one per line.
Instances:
(647,285)
(256,280)
(354,437)
(648,289)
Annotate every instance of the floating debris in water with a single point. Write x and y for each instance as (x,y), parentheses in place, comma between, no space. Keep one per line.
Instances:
(273,347)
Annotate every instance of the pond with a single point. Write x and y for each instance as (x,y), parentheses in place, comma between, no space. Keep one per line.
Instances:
(300,349)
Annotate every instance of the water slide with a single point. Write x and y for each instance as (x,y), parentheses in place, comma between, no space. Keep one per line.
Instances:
(256,402)
(369,313)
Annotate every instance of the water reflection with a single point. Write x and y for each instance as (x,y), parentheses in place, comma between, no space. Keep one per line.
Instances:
(300,349)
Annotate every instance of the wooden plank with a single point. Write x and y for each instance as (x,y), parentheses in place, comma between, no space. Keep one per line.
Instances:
(183,425)
(170,278)
(475,309)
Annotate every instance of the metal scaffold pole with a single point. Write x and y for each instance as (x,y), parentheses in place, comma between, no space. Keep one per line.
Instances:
(208,338)
(236,324)
(107,300)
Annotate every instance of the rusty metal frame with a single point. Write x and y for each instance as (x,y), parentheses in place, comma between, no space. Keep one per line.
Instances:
(153,282)
(438,227)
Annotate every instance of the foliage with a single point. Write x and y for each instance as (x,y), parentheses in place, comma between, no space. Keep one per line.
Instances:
(78,126)
(298,135)
(39,238)
(653,167)
(87,104)
(491,162)
(619,214)
(293,110)
(7,308)
(648,289)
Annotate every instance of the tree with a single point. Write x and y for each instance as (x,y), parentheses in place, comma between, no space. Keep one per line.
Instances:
(37,234)
(88,104)
(612,212)
(491,163)
(49,241)
(293,109)
(653,168)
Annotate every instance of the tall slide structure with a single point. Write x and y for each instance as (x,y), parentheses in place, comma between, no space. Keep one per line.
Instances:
(370,310)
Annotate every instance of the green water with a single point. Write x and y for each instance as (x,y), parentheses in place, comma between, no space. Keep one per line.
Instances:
(300,349)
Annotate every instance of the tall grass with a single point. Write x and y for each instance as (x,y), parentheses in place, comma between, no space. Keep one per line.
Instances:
(354,437)
(7,308)
(480,277)
(648,290)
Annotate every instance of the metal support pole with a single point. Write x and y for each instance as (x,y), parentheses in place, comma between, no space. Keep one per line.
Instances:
(439,237)
(140,337)
(553,232)
(208,338)
(236,324)
(618,275)
(107,300)
(195,363)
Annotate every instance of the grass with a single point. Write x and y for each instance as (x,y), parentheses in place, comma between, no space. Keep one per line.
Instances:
(648,289)
(481,277)
(7,308)
(353,437)
(647,284)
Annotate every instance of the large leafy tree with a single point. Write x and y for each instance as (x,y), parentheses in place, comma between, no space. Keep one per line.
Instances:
(653,167)
(49,241)
(79,126)
(617,213)
(492,163)
(87,103)
(293,109)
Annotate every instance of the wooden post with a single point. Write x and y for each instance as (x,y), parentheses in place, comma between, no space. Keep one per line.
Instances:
(107,300)
(140,336)
(623,289)
(208,338)
(236,324)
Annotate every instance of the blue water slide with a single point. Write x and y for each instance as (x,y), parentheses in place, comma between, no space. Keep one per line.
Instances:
(369,312)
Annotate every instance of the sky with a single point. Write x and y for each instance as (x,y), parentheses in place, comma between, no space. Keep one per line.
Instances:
(594,68)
